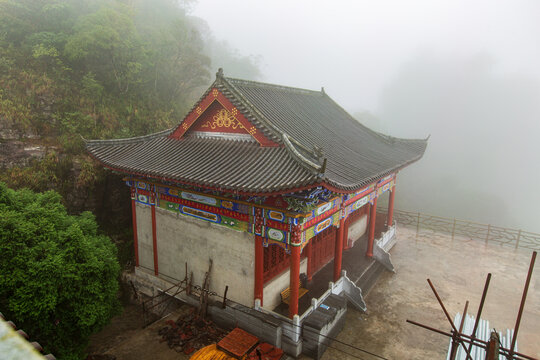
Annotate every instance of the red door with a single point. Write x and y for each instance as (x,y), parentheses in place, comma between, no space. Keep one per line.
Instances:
(323,247)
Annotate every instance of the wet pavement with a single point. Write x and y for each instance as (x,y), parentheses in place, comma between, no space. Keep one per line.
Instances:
(458,270)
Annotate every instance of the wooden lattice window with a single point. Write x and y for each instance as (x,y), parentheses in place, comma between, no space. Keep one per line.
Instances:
(323,246)
(276,260)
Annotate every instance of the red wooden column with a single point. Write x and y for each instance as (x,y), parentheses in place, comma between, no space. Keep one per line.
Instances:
(294,281)
(135,237)
(259,269)
(134,219)
(154,234)
(346,234)
(371,234)
(309,254)
(338,253)
(390,216)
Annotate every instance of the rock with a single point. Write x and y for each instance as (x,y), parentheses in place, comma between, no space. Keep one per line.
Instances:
(16,153)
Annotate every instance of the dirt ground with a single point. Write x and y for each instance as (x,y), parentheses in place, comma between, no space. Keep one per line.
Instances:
(458,270)
(126,339)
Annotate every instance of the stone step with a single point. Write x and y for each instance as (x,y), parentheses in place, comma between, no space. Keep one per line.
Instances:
(368,279)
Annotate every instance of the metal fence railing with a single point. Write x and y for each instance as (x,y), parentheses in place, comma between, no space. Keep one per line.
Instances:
(468,229)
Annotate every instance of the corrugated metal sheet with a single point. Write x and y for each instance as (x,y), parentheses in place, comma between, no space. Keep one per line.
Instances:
(483,332)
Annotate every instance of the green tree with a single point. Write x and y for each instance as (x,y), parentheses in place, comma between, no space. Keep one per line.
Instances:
(59,276)
(105,42)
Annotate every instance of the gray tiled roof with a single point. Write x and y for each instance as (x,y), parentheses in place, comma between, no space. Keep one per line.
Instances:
(309,126)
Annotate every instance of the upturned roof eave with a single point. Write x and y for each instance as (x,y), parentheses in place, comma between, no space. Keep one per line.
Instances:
(328,183)
(126,141)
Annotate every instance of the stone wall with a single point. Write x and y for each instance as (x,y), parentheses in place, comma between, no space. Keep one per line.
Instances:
(144,236)
(182,239)
(357,229)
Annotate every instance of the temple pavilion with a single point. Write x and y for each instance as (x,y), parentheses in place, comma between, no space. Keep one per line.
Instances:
(270,182)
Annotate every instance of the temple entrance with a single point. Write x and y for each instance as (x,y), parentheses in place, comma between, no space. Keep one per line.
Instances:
(323,247)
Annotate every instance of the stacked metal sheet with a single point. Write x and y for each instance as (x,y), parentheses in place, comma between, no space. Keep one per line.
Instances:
(483,332)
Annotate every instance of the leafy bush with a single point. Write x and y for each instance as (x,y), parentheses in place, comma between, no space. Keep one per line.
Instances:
(59,275)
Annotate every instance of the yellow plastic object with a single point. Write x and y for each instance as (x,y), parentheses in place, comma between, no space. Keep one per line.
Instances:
(210,352)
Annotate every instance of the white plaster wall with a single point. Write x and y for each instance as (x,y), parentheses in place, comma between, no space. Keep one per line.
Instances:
(272,290)
(357,229)
(144,235)
(182,238)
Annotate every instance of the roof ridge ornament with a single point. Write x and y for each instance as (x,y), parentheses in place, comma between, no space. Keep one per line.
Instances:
(219,74)
(323,168)
(318,152)
(312,165)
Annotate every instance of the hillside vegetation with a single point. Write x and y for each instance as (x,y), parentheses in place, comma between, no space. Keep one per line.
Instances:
(74,69)
(96,69)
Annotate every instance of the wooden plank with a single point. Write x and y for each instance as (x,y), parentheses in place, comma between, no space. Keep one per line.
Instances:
(286,294)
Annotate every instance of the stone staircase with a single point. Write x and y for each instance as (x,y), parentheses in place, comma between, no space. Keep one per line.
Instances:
(353,293)
(369,277)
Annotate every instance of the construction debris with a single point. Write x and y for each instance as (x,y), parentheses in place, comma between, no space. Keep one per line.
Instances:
(190,333)
(469,341)
(238,343)
(203,298)
(265,351)
(484,333)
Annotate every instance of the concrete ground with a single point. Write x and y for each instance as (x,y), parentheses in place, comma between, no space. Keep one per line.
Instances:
(458,270)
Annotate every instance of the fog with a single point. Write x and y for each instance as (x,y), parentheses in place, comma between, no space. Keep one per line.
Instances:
(482,158)
(466,73)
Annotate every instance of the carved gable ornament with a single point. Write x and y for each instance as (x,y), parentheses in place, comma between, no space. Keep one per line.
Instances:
(215,116)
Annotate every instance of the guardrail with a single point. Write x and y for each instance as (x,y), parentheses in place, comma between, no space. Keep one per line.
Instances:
(468,229)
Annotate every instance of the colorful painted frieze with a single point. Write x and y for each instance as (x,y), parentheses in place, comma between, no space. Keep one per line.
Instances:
(204,199)
(333,220)
(271,224)
(144,197)
(275,215)
(276,234)
(384,188)
(323,209)
(350,198)
(206,215)
(357,204)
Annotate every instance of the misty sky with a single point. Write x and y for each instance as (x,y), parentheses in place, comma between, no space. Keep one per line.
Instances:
(466,72)
(354,48)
